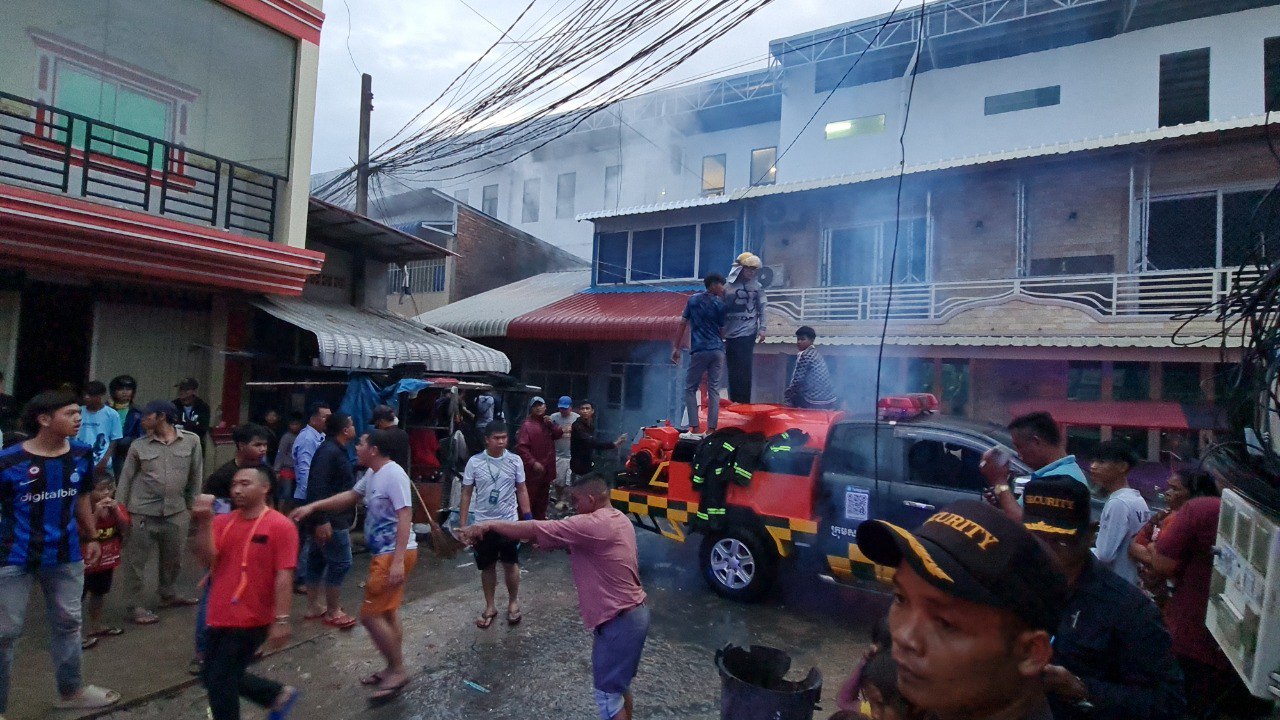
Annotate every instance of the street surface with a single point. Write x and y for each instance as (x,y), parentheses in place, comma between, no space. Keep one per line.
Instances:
(539,669)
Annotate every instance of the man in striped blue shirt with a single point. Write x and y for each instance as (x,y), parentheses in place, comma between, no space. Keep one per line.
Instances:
(44,512)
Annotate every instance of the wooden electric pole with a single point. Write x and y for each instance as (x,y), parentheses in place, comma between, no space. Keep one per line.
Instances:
(358,268)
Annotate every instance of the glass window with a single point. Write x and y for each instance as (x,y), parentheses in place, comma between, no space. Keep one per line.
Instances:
(868,125)
(945,465)
(851,451)
(955,386)
(566,195)
(489,200)
(713,174)
(717,248)
(1022,100)
(1180,382)
(529,206)
(1241,234)
(679,246)
(1131,381)
(1135,438)
(611,258)
(763,170)
(1183,233)
(920,376)
(612,186)
(912,262)
(1271,74)
(1084,380)
(1179,445)
(1184,87)
(646,255)
(1081,440)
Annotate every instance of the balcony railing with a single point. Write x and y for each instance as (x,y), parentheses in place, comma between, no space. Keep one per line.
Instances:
(1148,295)
(50,149)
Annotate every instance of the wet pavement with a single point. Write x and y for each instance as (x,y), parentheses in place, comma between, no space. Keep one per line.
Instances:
(540,668)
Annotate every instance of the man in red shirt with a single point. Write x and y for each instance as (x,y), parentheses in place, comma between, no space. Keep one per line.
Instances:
(606,570)
(251,553)
(536,446)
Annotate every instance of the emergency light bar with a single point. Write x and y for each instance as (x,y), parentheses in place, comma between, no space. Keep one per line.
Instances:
(902,407)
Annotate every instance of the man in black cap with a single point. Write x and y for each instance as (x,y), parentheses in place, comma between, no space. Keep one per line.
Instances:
(193,413)
(1112,657)
(976,599)
(159,482)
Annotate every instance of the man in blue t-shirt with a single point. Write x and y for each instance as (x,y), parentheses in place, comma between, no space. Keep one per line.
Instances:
(1039,443)
(44,511)
(704,318)
(100,426)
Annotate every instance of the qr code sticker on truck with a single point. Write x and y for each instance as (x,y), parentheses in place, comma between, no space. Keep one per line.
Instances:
(857,504)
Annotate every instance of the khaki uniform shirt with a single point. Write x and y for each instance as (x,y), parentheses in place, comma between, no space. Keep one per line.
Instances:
(161,480)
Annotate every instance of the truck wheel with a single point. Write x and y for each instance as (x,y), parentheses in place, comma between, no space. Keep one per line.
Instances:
(738,564)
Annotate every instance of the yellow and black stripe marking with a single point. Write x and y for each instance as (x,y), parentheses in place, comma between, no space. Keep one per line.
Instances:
(856,566)
(786,531)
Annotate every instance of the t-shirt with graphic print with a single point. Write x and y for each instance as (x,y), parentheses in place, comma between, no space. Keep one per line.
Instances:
(98,429)
(744,309)
(495,480)
(385,492)
(705,313)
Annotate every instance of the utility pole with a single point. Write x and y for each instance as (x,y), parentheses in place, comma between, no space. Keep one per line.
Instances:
(358,268)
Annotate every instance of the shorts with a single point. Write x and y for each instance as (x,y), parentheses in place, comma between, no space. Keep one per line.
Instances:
(98,582)
(615,658)
(493,547)
(563,475)
(378,596)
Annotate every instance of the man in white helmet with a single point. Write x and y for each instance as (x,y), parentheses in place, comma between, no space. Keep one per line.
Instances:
(744,323)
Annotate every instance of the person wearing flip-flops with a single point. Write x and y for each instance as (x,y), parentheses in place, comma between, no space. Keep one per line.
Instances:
(493,488)
(388,530)
(326,554)
(251,554)
(112,525)
(44,496)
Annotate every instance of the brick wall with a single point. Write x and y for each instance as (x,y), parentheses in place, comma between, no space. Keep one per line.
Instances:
(493,254)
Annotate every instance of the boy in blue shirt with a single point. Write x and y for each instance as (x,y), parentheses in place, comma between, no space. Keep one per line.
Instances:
(704,318)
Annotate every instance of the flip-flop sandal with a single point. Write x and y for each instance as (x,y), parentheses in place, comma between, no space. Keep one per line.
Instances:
(372,679)
(283,711)
(91,697)
(486,620)
(144,617)
(385,695)
(514,619)
(107,632)
(89,642)
(341,621)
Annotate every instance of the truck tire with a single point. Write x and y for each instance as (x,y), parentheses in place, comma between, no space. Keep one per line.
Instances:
(738,563)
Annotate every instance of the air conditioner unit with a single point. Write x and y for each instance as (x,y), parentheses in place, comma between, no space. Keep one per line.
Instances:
(782,215)
(774,276)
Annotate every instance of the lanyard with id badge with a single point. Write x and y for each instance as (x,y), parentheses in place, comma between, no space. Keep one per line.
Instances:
(493,491)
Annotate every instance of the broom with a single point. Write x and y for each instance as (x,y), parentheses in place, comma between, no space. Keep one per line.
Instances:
(443,543)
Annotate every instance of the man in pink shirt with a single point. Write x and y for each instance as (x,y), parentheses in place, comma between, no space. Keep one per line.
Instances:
(602,550)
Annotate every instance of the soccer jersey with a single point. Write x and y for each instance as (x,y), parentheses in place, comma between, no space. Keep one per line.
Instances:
(38,506)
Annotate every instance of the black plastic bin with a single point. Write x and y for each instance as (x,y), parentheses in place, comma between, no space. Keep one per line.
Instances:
(753,685)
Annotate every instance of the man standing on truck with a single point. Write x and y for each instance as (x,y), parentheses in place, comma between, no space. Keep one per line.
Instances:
(704,318)
(976,601)
(1038,441)
(810,385)
(744,323)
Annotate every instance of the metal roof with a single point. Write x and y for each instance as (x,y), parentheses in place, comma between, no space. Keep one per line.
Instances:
(489,313)
(1095,143)
(363,339)
(604,316)
(349,230)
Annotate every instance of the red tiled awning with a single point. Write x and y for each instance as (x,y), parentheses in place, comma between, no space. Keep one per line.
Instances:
(1153,414)
(604,316)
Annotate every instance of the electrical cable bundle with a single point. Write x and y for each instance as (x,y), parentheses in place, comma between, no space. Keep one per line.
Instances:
(567,71)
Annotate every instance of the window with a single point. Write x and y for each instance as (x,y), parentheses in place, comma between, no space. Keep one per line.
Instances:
(566,194)
(463,196)
(1184,87)
(868,125)
(945,465)
(713,174)
(862,255)
(1180,382)
(1131,381)
(489,200)
(1022,100)
(851,451)
(85,92)
(612,186)
(1084,380)
(1271,74)
(680,252)
(1137,440)
(763,170)
(955,386)
(529,204)
(627,384)
(1183,232)
(1083,440)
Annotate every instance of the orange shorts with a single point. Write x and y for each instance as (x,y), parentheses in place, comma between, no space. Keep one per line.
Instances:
(379,596)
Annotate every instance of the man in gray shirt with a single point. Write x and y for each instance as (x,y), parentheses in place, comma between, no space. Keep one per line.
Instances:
(493,489)
(1124,513)
(159,481)
(744,324)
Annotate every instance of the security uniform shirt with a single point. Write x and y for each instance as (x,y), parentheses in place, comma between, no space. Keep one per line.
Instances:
(1112,637)
(161,480)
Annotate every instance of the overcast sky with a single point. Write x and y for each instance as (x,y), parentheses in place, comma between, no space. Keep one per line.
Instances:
(413,48)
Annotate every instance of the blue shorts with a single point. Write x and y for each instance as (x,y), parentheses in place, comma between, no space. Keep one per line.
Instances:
(615,658)
(327,564)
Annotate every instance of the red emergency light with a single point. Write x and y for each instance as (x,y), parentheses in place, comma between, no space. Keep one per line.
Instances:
(902,407)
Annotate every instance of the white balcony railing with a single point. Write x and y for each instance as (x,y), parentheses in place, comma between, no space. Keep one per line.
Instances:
(1148,295)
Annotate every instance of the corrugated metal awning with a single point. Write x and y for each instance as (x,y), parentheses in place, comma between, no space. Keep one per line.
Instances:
(827,337)
(363,339)
(489,313)
(623,316)
(351,231)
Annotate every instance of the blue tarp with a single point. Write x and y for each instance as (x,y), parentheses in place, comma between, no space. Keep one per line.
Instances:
(363,396)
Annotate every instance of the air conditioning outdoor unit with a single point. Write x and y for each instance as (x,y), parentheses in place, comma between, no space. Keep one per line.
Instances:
(774,276)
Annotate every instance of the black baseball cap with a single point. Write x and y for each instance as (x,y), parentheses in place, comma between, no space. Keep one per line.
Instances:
(974,552)
(1057,505)
(187,384)
(164,407)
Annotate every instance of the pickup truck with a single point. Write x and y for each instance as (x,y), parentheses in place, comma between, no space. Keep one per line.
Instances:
(819,496)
